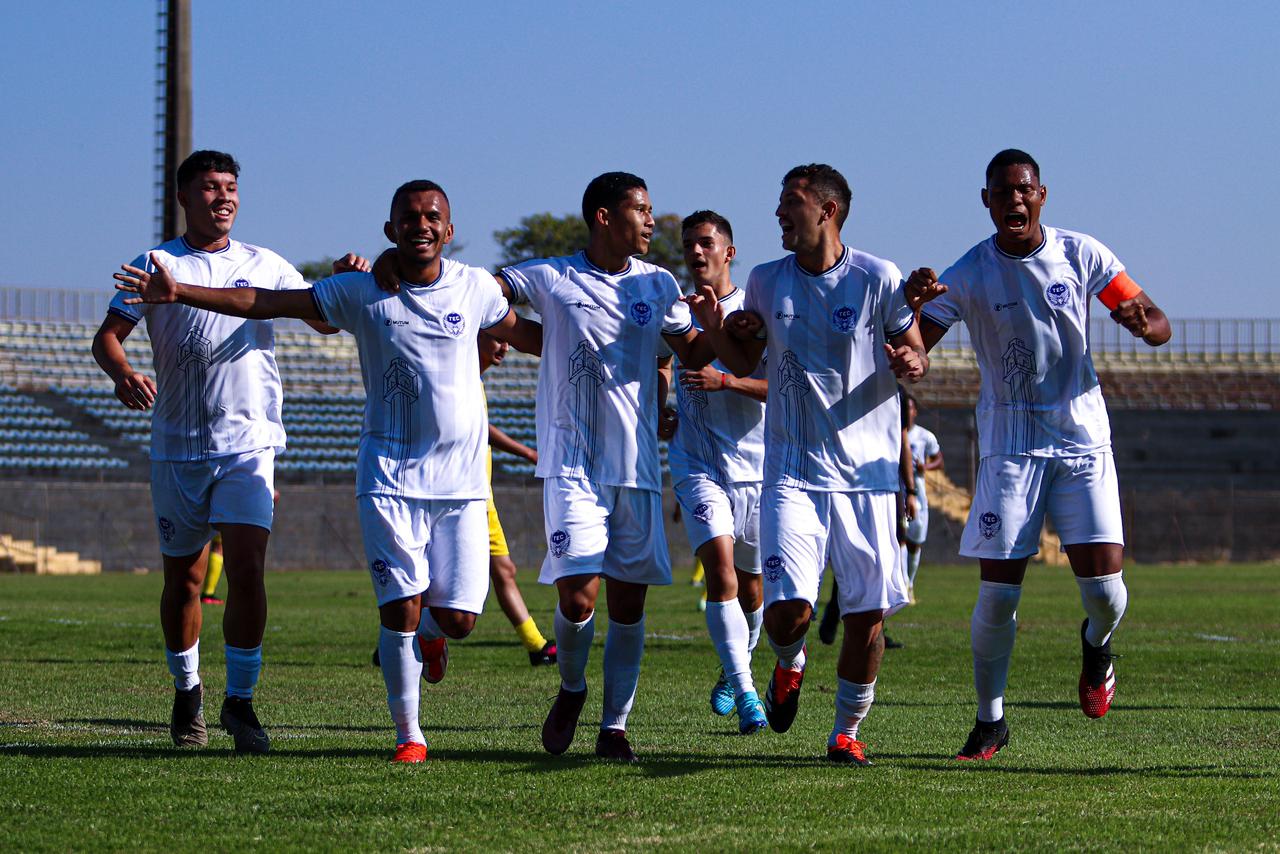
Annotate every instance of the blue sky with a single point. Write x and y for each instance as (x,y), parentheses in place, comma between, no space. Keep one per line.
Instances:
(1155,123)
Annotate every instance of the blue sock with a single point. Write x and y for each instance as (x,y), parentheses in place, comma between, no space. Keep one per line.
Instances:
(242,670)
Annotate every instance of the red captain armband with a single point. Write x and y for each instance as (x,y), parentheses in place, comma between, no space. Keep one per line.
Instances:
(1118,290)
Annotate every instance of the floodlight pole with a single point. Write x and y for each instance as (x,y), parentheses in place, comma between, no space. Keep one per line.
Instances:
(173,143)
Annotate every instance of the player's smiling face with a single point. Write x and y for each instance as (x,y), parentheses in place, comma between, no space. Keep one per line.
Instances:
(800,215)
(1014,197)
(707,253)
(420,228)
(631,223)
(210,202)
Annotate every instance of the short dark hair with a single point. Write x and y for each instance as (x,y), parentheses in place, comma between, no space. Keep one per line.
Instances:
(1012,157)
(701,217)
(199,162)
(827,183)
(605,191)
(420,185)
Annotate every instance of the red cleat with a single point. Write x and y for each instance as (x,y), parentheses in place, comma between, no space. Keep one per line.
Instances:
(211,600)
(782,697)
(1097,677)
(435,659)
(848,751)
(411,752)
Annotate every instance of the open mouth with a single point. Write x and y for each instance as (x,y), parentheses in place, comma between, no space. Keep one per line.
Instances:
(1015,221)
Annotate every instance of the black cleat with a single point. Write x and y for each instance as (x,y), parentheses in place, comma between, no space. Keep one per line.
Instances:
(613,744)
(377,657)
(241,723)
(544,656)
(562,721)
(186,724)
(985,740)
(890,643)
(1097,677)
(782,698)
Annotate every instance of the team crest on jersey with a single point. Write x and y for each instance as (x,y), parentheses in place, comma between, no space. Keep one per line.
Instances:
(1058,294)
(454,324)
(166,530)
(559,543)
(773,567)
(843,318)
(381,572)
(242,283)
(703,513)
(641,312)
(989,523)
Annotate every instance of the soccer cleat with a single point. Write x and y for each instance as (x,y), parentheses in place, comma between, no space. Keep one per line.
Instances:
(562,721)
(240,722)
(1097,677)
(985,740)
(613,744)
(782,697)
(890,643)
(211,600)
(848,751)
(546,655)
(722,695)
(186,724)
(830,622)
(377,657)
(751,717)
(410,751)
(435,658)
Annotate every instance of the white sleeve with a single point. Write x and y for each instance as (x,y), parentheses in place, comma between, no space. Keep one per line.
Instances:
(1099,264)
(946,310)
(493,305)
(132,313)
(678,320)
(931,445)
(290,279)
(897,316)
(338,298)
(751,302)
(528,280)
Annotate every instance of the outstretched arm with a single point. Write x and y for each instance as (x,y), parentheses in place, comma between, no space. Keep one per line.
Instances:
(709,379)
(253,303)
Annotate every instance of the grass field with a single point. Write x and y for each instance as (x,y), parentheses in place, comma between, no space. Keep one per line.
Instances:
(1188,758)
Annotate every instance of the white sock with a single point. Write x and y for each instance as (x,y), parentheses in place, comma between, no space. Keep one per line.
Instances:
(755,619)
(727,626)
(913,564)
(1104,599)
(243,667)
(428,628)
(185,666)
(573,646)
(853,701)
(992,629)
(623,649)
(401,670)
(791,656)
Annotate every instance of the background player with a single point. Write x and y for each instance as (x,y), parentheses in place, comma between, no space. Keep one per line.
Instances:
(1043,432)
(838,331)
(215,431)
(926,455)
(420,483)
(717,461)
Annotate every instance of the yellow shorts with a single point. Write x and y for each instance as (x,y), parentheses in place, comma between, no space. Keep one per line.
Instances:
(497,539)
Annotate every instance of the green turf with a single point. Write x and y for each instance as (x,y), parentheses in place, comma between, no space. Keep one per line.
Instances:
(1189,757)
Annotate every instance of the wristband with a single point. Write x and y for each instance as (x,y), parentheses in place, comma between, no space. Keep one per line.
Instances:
(723,377)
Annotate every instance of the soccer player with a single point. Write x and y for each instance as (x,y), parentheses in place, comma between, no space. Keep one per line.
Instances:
(838,331)
(420,484)
(926,455)
(215,431)
(213,572)
(717,461)
(1043,432)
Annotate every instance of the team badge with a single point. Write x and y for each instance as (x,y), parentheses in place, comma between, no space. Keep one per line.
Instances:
(1058,294)
(843,318)
(641,312)
(559,543)
(703,513)
(990,524)
(381,573)
(773,568)
(242,283)
(166,530)
(454,324)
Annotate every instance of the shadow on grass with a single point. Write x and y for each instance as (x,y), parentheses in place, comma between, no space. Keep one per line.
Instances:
(929,762)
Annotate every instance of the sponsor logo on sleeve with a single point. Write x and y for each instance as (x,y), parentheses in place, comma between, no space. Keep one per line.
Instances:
(989,523)
(702,513)
(559,543)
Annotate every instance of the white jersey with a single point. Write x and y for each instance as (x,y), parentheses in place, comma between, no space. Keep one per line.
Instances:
(721,433)
(597,412)
(923,445)
(1028,319)
(218,387)
(833,421)
(425,426)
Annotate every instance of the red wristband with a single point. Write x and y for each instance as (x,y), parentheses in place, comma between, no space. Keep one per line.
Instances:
(723,377)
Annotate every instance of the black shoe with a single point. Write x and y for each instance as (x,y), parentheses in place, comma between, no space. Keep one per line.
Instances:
(984,741)
(1097,677)
(890,643)
(613,744)
(186,724)
(377,657)
(241,723)
(830,622)
(778,709)
(562,721)
(544,656)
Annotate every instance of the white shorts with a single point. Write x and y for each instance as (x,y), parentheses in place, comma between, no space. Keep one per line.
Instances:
(596,529)
(710,510)
(1014,493)
(435,546)
(800,530)
(917,529)
(191,498)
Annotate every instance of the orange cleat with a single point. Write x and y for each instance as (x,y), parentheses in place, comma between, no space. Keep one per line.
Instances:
(847,751)
(410,751)
(435,659)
